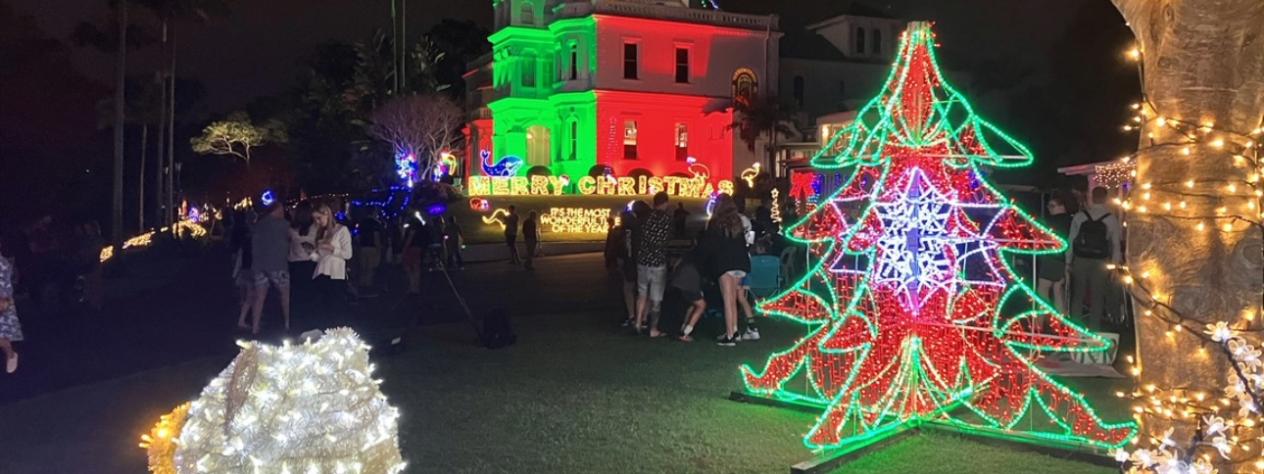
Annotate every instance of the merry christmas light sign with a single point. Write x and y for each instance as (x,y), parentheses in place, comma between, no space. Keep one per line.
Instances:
(912,313)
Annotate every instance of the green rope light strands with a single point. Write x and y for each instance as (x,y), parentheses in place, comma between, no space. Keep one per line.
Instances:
(912,313)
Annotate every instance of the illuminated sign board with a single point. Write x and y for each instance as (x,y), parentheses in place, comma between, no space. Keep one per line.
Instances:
(696,187)
(575,220)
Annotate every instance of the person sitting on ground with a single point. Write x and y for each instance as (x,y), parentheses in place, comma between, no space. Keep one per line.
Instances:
(688,281)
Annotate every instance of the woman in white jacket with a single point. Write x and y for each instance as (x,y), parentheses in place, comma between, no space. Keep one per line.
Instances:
(333,249)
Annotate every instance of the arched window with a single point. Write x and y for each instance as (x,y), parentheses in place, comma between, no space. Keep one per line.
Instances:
(860,41)
(538,147)
(876,41)
(528,71)
(745,85)
(574,61)
(798,90)
(573,153)
(528,14)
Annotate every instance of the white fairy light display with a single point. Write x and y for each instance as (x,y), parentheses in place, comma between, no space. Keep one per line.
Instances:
(311,407)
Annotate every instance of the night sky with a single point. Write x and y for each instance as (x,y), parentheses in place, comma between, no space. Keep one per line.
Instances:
(1050,72)
(255,50)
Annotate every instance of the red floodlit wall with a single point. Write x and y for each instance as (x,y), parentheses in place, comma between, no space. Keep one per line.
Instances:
(656,116)
(715,54)
(657,102)
(478,137)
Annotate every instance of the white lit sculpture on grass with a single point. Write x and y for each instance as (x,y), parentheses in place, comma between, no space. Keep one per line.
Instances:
(311,407)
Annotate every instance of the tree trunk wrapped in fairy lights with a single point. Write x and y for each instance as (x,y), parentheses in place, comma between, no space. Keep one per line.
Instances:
(912,310)
(1195,257)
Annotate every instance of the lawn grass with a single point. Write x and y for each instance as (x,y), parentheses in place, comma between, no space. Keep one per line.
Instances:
(578,395)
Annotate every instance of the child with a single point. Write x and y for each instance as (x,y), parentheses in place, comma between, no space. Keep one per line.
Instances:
(687,279)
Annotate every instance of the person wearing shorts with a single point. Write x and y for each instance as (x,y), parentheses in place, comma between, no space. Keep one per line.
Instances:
(270,261)
(651,265)
(723,247)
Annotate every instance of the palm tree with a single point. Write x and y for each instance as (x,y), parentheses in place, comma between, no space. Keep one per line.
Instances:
(143,110)
(168,12)
(140,109)
(116,40)
(753,118)
(120,98)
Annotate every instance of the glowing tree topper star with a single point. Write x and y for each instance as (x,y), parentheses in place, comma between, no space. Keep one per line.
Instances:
(912,312)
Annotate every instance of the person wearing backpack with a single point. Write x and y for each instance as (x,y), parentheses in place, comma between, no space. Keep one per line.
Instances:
(1094,244)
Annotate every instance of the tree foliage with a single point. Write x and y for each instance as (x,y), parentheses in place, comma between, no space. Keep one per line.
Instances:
(418,125)
(236,135)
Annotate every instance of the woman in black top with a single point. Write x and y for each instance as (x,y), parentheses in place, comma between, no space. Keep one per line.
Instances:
(724,249)
(1051,268)
(625,248)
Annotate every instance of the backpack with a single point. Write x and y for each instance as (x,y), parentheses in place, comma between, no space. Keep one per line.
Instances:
(1092,241)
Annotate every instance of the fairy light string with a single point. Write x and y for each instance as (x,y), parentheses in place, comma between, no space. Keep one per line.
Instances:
(1221,206)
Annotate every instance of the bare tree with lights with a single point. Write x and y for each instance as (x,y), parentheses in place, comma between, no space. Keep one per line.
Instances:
(419,129)
(236,135)
(1195,253)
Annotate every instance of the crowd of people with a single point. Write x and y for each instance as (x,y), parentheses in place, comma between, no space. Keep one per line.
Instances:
(52,263)
(651,249)
(312,252)
(307,252)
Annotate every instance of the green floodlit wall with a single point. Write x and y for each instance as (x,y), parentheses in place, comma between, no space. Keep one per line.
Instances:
(521,54)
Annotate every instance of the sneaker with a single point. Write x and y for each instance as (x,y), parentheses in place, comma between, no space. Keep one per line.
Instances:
(751,334)
(727,341)
(627,323)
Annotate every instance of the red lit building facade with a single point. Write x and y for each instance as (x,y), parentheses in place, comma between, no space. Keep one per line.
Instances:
(636,86)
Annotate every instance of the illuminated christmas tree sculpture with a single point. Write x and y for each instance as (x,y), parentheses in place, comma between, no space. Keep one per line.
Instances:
(913,313)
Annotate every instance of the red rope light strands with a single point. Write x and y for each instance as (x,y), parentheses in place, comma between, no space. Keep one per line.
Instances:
(913,312)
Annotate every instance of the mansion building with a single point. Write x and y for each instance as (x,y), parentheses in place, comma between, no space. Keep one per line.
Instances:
(637,86)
